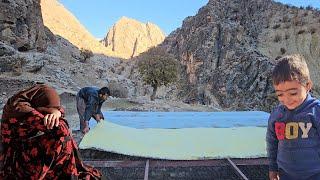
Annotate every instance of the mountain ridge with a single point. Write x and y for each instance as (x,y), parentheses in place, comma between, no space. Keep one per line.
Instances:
(62,22)
(228,50)
(131,37)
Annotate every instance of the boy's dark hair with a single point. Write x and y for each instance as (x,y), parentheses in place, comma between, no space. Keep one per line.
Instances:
(289,68)
(104,90)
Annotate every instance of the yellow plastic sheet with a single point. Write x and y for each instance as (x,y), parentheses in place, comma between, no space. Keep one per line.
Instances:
(177,144)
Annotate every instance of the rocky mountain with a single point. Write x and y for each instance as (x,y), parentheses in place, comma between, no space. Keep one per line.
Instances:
(293,30)
(227,51)
(29,52)
(21,25)
(129,37)
(126,39)
(61,22)
(52,59)
(229,48)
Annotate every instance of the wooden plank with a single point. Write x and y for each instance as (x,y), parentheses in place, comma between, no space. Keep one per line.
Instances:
(120,164)
(146,171)
(239,172)
(251,161)
(189,163)
(170,163)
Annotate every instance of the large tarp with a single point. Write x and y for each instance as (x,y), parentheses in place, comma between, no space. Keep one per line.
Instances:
(183,143)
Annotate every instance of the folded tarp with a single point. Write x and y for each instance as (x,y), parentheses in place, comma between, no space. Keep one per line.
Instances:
(179,144)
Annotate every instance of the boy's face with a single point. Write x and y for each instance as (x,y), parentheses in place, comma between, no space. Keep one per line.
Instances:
(292,93)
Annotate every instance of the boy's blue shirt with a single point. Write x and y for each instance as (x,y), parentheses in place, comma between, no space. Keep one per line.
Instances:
(92,100)
(293,139)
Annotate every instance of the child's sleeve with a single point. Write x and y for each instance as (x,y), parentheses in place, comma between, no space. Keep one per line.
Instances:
(272,144)
(316,120)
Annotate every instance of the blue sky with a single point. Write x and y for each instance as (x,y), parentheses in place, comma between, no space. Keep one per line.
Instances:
(99,15)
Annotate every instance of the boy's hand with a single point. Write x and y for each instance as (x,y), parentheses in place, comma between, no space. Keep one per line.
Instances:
(273,175)
(51,120)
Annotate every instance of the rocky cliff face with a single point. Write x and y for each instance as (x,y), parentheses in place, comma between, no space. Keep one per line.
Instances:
(129,37)
(126,39)
(21,25)
(59,63)
(293,30)
(61,22)
(228,51)
(62,66)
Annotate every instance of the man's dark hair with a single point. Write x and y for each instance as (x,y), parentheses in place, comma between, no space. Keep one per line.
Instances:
(104,90)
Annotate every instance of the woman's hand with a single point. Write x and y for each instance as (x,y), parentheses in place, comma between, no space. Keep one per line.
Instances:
(273,175)
(52,119)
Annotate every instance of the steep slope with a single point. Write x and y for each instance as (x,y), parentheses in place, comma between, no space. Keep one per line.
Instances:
(21,25)
(228,50)
(61,22)
(126,39)
(293,30)
(44,57)
(129,37)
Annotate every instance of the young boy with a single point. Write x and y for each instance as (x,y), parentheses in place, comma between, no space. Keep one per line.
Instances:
(293,135)
(89,102)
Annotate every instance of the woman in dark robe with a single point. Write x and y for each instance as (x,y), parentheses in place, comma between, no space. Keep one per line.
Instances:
(36,140)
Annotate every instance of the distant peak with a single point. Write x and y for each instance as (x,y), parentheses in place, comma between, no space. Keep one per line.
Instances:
(129,37)
(149,23)
(124,18)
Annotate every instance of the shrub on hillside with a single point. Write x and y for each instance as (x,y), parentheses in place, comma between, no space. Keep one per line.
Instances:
(277,38)
(283,50)
(118,90)
(285,19)
(312,30)
(301,31)
(309,8)
(85,54)
(276,26)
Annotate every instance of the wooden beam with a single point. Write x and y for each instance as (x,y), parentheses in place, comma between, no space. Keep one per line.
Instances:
(120,164)
(146,171)
(239,172)
(175,163)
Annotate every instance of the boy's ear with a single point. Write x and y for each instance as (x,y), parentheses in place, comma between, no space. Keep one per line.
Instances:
(309,85)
